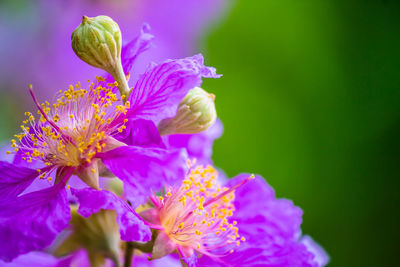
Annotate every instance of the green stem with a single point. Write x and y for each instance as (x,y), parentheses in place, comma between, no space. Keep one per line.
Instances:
(144,247)
(128,255)
(119,76)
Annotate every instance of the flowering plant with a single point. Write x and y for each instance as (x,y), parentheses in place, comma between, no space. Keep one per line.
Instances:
(141,136)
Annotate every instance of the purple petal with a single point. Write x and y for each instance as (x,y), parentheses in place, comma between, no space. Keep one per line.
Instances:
(131,227)
(42,259)
(145,170)
(270,226)
(198,146)
(291,254)
(37,259)
(321,257)
(14,180)
(134,48)
(32,221)
(190,261)
(27,142)
(131,51)
(160,89)
(3,153)
(169,260)
(256,200)
(141,133)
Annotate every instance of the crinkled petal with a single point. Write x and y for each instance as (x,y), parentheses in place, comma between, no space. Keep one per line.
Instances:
(42,259)
(190,261)
(145,170)
(256,200)
(270,227)
(141,133)
(321,257)
(134,48)
(291,254)
(131,227)
(32,221)
(160,89)
(14,180)
(199,146)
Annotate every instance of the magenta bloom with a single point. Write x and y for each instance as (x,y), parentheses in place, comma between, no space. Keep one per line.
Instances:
(241,224)
(82,134)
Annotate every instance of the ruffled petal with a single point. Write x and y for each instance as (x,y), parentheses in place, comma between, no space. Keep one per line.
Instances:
(134,48)
(32,221)
(141,133)
(270,226)
(256,201)
(190,261)
(321,257)
(14,180)
(199,146)
(145,170)
(291,254)
(131,227)
(160,89)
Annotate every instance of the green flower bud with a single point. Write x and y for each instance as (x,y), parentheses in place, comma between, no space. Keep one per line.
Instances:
(97,41)
(195,114)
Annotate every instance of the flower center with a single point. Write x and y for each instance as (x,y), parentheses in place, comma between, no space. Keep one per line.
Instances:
(73,129)
(196,214)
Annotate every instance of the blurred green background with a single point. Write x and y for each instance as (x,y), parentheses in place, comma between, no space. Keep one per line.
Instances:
(310,100)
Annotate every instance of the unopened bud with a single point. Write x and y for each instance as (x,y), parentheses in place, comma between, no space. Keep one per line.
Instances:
(97,41)
(195,114)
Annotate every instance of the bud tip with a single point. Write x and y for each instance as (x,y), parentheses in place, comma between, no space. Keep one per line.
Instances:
(84,19)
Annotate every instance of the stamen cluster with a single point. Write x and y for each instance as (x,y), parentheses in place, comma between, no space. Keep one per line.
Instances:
(196,214)
(72,130)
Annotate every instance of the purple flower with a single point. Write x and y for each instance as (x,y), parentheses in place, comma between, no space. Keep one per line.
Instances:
(78,134)
(241,224)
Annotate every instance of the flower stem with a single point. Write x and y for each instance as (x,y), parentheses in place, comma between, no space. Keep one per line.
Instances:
(143,247)
(119,76)
(129,250)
